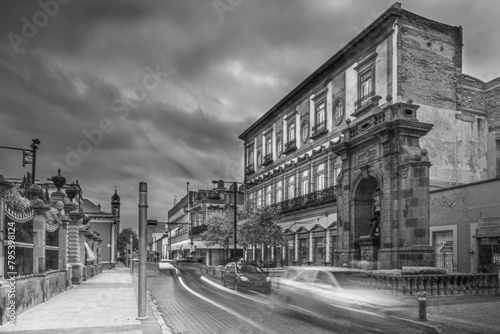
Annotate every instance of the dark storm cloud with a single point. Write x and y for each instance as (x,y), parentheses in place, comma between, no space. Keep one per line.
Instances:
(222,76)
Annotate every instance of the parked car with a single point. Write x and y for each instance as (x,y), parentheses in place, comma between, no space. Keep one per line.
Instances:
(333,294)
(245,276)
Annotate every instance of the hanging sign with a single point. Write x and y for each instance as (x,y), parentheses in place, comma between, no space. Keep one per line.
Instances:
(27,157)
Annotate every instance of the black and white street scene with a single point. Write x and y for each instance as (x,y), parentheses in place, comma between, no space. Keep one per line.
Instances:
(249,166)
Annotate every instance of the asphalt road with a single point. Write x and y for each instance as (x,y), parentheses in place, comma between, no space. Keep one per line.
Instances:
(191,303)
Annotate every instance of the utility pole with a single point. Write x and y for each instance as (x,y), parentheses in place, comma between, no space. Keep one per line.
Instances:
(143,224)
(34,146)
(235,186)
(29,156)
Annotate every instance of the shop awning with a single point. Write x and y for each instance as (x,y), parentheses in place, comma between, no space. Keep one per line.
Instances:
(306,225)
(91,256)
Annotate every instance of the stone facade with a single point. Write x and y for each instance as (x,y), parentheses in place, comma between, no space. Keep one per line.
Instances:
(411,62)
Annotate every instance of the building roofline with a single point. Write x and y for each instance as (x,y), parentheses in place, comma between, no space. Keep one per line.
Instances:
(465,185)
(394,10)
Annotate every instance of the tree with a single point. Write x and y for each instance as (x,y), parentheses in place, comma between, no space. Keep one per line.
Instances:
(220,229)
(124,239)
(259,226)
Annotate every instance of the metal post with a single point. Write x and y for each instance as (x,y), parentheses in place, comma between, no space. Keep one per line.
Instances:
(110,243)
(143,223)
(235,214)
(34,147)
(131,254)
(422,300)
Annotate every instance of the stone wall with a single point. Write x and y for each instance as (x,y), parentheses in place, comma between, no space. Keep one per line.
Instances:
(429,61)
(492,96)
(33,290)
(460,208)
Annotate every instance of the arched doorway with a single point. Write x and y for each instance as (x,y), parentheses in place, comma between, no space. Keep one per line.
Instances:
(366,217)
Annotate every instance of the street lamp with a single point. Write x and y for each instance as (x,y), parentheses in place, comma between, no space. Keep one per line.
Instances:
(220,187)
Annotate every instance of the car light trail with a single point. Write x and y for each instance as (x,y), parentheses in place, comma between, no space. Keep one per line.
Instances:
(256,325)
(234,292)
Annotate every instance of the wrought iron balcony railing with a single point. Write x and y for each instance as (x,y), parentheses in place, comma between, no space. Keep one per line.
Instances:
(268,159)
(364,101)
(290,146)
(307,200)
(319,129)
(250,169)
(199,229)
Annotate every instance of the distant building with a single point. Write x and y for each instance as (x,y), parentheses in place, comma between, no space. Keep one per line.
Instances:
(187,222)
(108,226)
(350,155)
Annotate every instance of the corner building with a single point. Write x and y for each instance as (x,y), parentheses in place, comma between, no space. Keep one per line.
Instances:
(351,154)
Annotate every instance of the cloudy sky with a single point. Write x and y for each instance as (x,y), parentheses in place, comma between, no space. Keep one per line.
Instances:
(121,92)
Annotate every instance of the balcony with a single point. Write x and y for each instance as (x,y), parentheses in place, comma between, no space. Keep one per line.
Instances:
(250,169)
(307,200)
(318,130)
(364,102)
(290,146)
(199,229)
(268,159)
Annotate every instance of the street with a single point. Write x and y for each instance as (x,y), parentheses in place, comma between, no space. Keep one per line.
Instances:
(195,304)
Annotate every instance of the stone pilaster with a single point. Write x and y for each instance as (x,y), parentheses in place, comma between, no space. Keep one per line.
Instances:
(39,243)
(74,253)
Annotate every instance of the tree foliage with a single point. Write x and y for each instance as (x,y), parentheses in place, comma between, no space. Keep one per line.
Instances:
(220,229)
(124,239)
(259,226)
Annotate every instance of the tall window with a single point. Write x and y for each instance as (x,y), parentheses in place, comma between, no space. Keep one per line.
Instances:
(320,113)
(250,158)
(259,198)
(365,83)
(259,158)
(305,182)
(291,130)
(291,187)
(279,191)
(320,180)
(269,145)
(268,195)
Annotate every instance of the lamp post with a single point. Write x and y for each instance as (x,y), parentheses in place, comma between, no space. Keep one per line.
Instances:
(220,187)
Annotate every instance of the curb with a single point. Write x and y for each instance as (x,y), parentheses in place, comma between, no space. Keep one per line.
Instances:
(418,324)
(152,303)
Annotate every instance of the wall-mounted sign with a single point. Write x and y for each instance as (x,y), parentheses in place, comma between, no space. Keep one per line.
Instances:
(488,227)
(367,153)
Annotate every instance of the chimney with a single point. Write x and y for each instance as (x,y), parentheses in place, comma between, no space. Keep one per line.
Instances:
(99,206)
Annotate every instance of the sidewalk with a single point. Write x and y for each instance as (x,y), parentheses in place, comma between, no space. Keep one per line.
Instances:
(460,314)
(106,303)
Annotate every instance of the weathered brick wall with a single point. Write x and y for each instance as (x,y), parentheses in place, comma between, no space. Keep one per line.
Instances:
(492,97)
(429,61)
(473,98)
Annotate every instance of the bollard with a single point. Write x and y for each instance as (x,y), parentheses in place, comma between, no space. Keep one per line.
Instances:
(422,301)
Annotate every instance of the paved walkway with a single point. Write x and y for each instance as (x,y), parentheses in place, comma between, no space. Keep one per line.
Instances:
(106,303)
